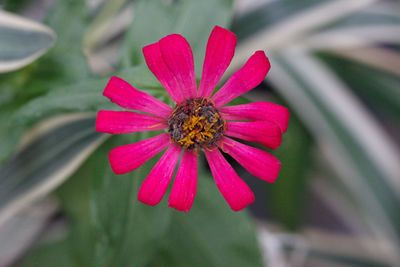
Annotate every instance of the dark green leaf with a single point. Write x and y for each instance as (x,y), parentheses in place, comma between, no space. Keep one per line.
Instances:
(287,196)
(49,255)
(378,88)
(110,227)
(13,5)
(211,234)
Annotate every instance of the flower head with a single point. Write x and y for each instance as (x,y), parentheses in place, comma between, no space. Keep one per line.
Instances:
(200,121)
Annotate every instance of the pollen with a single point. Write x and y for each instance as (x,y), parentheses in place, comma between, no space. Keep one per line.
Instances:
(195,124)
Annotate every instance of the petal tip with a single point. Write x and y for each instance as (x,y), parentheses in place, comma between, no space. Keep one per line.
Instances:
(148,47)
(173,36)
(245,204)
(274,176)
(147,201)
(98,123)
(224,30)
(179,208)
(113,161)
(264,60)
(113,82)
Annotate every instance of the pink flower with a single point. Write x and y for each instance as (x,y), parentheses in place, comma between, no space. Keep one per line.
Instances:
(199,121)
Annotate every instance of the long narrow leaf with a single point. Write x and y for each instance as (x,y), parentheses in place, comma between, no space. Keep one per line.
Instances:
(44,164)
(344,128)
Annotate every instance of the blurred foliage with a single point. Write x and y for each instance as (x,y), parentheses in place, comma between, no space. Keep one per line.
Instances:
(35,165)
(64,64)
(155,19)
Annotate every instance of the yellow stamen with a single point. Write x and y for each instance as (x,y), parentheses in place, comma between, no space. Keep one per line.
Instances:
(195,123)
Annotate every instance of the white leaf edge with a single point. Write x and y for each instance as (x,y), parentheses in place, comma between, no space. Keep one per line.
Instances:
(297,26)
(10,20)
(42,189)
(350,111)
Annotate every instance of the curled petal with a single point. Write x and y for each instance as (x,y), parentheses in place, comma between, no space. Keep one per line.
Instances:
(264,132)
(171,61)
(235,191)
(126,158)
(156,183)
(258,111)
(184,189)
(120,122)
(248,77)
(156,64)
(220,50)
(256,161)
(127,96)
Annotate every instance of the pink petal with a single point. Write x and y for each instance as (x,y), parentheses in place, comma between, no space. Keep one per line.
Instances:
(120,122)
(258,111)
(245,79)
(235,191)
(126,158)
(263,132)
(178,56)
(256,161)
(171,61)
(184,188)
(127,96)
(220,50)
(154,186)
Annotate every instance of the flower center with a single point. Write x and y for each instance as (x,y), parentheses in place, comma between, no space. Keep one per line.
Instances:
(196,123)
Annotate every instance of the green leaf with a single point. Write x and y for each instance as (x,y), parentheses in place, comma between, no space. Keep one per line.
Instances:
(326,109)
(269,15)
(364,157)
(111,228)
(82,96)
(191,18)
(45,163)
(101,29)
(67,61)
(372,16)
(22,41)
(378,88)
(211,234)
(64,64)
(116,212)
(287,196)
(13,5)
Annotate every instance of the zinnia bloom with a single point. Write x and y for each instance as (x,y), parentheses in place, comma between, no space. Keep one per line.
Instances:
(200,121)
